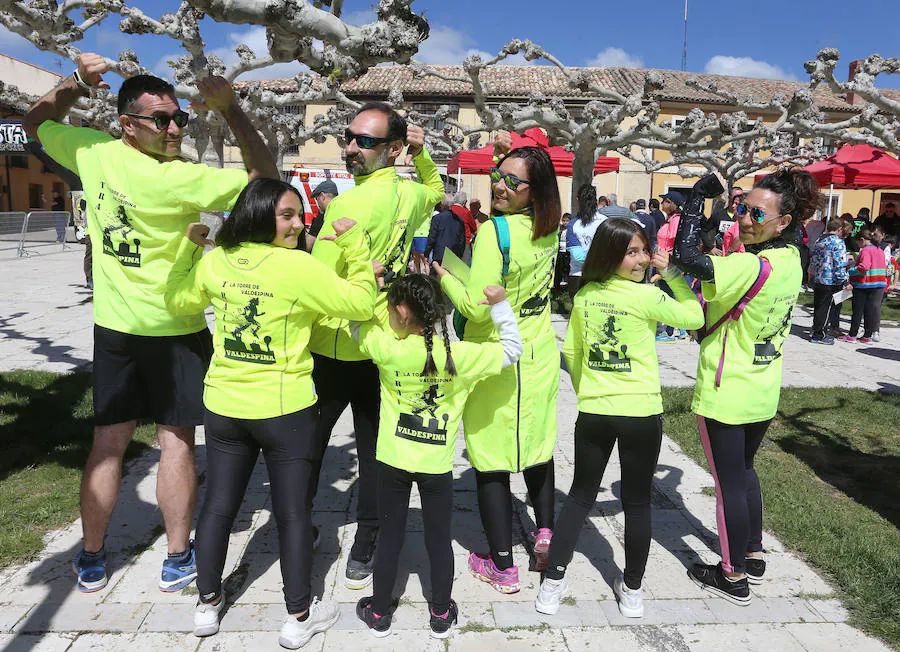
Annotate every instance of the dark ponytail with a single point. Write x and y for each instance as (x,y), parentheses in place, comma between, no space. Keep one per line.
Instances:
(798,193)
(423,296)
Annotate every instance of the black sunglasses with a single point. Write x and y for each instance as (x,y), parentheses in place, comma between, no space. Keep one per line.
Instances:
(180,118)
(512,182)
(364,141)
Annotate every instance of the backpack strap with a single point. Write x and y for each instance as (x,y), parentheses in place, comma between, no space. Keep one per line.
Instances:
(765,270)
(501,226)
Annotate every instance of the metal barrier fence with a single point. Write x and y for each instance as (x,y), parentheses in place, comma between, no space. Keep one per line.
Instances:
(12,225)
(44,229)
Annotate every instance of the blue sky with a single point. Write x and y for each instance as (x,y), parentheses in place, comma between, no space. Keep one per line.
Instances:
(763,38)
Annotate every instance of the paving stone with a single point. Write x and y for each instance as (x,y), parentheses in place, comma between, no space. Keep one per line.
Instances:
(583,613)
(661,612)
(243,641)
(10,614)
(831,610)
(620,639)
(48,642)
(513,640)
(141,642)
(362,641)
(178,617)
(747,638)
(764,610)
(834,637)
(71,617)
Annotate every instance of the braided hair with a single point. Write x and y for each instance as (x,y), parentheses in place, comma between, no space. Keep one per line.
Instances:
(423,296)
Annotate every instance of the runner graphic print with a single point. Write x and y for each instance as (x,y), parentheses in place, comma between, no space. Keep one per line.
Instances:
(423,425)
(245,343)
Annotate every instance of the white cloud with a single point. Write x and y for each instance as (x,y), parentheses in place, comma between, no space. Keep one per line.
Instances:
(615,57)
(745,67)
(445,45)
(359,17)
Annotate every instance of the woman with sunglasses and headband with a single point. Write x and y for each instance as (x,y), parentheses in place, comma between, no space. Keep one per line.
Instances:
(749,300)
(510,419)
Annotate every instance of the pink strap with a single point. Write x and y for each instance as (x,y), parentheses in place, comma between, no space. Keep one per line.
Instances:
(765,270)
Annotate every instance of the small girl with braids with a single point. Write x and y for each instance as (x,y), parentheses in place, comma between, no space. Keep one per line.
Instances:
(425,380)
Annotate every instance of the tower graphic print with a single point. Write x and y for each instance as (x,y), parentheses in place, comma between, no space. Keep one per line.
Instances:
(607,352)
(243,342)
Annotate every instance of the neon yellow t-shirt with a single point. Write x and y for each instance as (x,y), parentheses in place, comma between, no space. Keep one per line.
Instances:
(751,378)
(266,299)
(390,209)
(420,415)
(139,209)
(610,345)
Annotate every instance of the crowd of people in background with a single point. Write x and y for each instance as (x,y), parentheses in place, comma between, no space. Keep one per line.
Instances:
(372,333)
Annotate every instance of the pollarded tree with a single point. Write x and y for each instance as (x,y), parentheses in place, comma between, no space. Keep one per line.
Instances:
(296,30)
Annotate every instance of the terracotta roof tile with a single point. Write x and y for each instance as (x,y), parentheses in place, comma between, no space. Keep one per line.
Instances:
(515,82)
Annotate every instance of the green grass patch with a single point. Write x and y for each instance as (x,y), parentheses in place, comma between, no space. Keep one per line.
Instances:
(46,430)
(829,469)
(890,309)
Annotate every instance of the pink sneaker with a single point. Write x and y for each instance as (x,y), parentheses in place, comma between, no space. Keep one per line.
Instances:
(484,569)
(865,340)
(542,547)
(847,338)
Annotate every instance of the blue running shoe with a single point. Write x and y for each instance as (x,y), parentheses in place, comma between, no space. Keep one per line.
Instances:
(177,574)
(91,571)
(663,337)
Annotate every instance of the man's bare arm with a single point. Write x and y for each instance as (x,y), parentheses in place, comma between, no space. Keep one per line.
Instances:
(219,96)
(56,104)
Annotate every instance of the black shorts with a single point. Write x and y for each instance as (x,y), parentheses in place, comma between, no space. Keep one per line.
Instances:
(146,377)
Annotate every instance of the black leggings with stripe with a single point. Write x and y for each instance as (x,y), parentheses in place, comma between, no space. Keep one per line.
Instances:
(739,509)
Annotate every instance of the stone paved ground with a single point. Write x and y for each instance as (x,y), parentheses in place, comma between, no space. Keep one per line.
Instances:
(45,322)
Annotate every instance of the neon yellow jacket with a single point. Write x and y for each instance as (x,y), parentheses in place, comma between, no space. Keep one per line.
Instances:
(389,209)
(266,299)
(610,346)
(510,418)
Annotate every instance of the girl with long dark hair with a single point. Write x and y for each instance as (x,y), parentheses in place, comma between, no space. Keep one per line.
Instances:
(259,394)
(425,380)
(580,234)
(610,351)
(749,300)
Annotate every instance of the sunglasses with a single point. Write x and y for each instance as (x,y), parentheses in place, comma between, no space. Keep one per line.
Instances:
(756,213)
(180,118)
(512,182)
(365,142)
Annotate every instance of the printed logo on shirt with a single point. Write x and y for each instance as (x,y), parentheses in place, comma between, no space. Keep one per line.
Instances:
(422,425)
(244,342)
(117,227)
(770,339)
(542,281)
(607,352)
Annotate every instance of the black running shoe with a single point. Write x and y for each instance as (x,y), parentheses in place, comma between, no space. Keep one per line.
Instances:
(441,624)
(713,580)
(755,569)
(380,626)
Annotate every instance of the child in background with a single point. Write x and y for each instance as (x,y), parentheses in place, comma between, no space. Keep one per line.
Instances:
(610,351)
(425,381)
(869,279)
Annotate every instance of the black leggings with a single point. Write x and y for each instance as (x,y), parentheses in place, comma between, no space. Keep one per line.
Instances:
(436,492)
(824,310)
(340,383)
(232,446)
(495,506)
(866,309)
(639,441)
(739,510)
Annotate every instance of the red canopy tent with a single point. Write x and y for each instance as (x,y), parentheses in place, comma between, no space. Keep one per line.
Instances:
(480,161)
(855,167)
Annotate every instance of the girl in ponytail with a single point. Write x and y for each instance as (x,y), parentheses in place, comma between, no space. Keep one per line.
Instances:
(425,380)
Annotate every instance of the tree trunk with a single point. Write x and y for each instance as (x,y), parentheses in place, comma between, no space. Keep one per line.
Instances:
(582,171)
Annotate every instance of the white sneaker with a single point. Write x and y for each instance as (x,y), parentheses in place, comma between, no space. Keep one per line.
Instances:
(322,615)
(206,617)
(550,595)
(631,601)
(876,336)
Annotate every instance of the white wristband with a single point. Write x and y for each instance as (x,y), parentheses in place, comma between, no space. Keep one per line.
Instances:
(81,83)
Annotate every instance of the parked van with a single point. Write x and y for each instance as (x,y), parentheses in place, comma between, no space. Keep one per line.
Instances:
(306,179)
